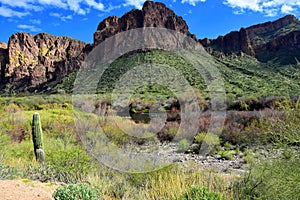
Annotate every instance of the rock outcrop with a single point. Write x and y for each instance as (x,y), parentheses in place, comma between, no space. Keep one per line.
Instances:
(290,42)
(234,42)
(153,14)
(263,33)
(35,60)
(270,36)
(3,60)
(30,62)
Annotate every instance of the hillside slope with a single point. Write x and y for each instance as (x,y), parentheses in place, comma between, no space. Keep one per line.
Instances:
(261,60)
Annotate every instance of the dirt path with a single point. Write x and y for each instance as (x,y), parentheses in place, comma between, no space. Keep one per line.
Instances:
(25,190)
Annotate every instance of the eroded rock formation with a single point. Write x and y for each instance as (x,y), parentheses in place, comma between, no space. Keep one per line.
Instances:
(3,60)
(29,62)
(282,34)
(153,14)
(35,60)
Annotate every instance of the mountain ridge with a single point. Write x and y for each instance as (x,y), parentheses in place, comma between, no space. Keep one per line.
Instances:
(29,62)
(257,39)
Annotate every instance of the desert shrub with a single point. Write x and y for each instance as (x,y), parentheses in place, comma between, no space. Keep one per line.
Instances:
(12,108)
(74,192)
(240,127)
(285,131)
(227,145)
(43,172)
(278,128)
(4,140)
(168,132)
(118,190)
(15,123)
(14,153)
(177,181)
(70,165)
(122,131)
(228,155)
(183,146)
(208,139)
(8,173)
(195,192)
(273,179)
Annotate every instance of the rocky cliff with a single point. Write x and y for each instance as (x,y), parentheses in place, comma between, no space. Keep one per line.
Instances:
(282,34)
(3,60)
(30,62)
(35,60)
(153,14)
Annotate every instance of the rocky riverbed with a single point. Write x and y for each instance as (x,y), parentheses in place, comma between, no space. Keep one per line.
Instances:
(237,163)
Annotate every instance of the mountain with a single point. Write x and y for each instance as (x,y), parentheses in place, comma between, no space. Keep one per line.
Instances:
(152,15)
(256,60)
(35,60)
(278,38)
(29,63)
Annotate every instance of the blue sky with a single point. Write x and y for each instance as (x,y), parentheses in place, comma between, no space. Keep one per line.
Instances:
(79,18)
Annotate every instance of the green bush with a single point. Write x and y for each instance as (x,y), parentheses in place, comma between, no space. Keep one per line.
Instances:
(183,146)
(43,173)
(209,139)
(8,173)
(227,145)
(70,165)
(200,193)
(74,192)
(273,179)
(228,155)
(280,129)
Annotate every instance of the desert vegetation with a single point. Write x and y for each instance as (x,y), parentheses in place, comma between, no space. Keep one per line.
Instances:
(219,123)
(269,147)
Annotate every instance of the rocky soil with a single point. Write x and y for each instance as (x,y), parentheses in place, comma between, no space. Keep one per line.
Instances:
(237,164)
(211,162)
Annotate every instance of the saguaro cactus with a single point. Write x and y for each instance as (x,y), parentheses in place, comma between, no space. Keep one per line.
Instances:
(37,137)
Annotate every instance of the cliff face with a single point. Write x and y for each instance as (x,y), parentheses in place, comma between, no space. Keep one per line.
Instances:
(234,41)
(29,61)
(153,14)
(35,60)
(282,34)
(263,33)
(3,60)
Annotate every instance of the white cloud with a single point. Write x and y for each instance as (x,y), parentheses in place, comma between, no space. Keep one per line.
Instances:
(61,17)
(268,7)
(244,4)
(94,4)
(7,12)
(54,3)
(111,7)
(271,12)
(287,9)
(31,28)
(192,2)
(80,7)
(74,5)
(136,3)
(25,4)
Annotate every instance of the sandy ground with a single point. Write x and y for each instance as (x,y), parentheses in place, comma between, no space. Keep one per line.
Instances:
(25,190)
